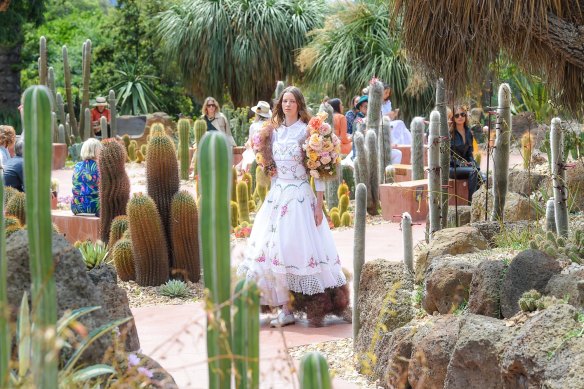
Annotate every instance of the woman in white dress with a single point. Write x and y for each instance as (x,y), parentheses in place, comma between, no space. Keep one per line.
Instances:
(290,248)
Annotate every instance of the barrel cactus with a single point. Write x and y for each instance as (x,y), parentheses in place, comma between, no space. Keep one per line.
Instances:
(16,207)
(118,228)
(314,372)
(200,129)
(123,258)
(242,201)
(184,231)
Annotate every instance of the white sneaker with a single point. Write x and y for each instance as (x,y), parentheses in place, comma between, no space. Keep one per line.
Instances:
(283,320)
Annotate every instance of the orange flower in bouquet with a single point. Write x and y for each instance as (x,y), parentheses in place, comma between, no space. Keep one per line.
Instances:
(322,147)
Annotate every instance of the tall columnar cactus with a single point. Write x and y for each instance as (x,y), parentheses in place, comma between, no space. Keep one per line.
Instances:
(279,89)
(37,174)
(60,106)
(103,127)
(214,163)
(5,345)
(343,204)
(43,61)
(501,154)
(248,179)
(54,127)
(559,177)
(61,136)
(314,373)
(388,175)
(86,125)
(162,178)
(242,201)
(358,250)
(132,151)
(434,191)
(69,93)
(51,84)
(444,150)
(200,129)
(118,227)
(113,113)
(86,72)
(406,226)
(362,165)
(373,161)
(148,242)
(16,207)
(550,215)
(123,258)
(234,214)
(374,122)
(184,231)
(184,129)
(114,185)
(417,154)
(246,335)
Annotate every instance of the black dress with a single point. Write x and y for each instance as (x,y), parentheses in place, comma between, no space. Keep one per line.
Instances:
(462,162)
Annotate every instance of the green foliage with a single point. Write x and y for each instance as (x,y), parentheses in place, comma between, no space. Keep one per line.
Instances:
(239,121)
(174,288)
(136,97)
(94,254)
(213,56)
(516,239)
(571,248)
(356,44)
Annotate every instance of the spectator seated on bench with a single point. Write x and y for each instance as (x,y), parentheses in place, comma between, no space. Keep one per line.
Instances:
(86,180)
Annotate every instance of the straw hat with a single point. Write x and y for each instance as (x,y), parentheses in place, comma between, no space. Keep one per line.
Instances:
(100,101)
(262,109)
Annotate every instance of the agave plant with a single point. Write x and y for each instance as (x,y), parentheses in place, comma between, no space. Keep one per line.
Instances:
(135,94)
(174,288)
(94,254)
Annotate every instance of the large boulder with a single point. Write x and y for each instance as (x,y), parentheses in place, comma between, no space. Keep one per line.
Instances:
(517,207)
(447,283)
(575,183)
(449,241)
(431,352)
(393,361)
(475,359)
(385,295)
(485,288)
(529,357)
(525,182)
(116,303)
(75,289)
(530,269)
(570,286)
(463,215)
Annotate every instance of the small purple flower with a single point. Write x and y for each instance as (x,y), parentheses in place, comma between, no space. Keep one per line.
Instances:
(262,258)
(284,210)
(133,360)
(312,263)
(275,261)
(148,373)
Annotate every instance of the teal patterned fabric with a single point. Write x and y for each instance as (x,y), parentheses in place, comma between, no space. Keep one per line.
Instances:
(85,188)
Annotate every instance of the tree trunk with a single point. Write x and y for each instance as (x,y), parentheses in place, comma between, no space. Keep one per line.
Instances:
(9,78)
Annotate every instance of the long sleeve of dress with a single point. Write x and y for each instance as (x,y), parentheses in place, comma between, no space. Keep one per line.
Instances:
(319,185)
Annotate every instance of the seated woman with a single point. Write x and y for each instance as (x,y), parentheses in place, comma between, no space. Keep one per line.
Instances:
(340,126)
(86,180)
(7,141)
(462,162)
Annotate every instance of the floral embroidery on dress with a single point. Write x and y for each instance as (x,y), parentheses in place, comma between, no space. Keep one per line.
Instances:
(338,261)
(284,210)
(312,263)
(261,258)
(275,261)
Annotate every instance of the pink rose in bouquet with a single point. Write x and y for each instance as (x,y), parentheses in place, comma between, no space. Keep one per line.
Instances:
(320,145)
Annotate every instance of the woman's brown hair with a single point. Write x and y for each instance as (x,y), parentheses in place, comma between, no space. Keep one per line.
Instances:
(452,124)
(278,117)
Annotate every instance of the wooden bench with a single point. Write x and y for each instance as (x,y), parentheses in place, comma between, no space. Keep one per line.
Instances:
(76,227)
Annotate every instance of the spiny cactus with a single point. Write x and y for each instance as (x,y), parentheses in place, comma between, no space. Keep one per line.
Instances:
(38,106)
(123,258)
(84,108)
(68,93)
(75,152)
(252,205)
(532,301)
(234,214)
(434,173)
(184,231)
(43,70)
(527,145)
(346,220)
(406,226)
(336,219)
(61,138)
(200,129)
(86,121)
(233,184)
(132,152)
(12,224)
(148,241)
(358,250)
(184,128)
(559,177)
(417,154)
(214,164)
(246,334)
(51,83)
(501,154)
(16,207)
(366,168)
(114,185)
(550,215)
(118,227)
(5,336)
(444,151)
(162,178)
(314,373)
(157,129)
(343,189)
(571,248)
(242,201)
(279,89)
(247,178)
(126,139)
(113,113)
(343,204)
(144,149)
(8,193)
(374,123)
(140,157)
(103,127)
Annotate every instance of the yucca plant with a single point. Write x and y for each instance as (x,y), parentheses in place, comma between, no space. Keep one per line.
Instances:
(174,288)
(134,92)
(94,254)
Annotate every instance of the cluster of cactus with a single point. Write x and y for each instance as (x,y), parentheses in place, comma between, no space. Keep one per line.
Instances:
(406,227)
(558,246)
(366,167)
(118,228)
(340,216)
(532,301)
(114,187)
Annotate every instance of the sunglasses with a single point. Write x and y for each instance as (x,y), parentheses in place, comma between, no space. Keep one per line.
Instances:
(211,105)
(457,115)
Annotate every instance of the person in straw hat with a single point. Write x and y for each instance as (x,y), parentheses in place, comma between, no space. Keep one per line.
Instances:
(100,109)
(262,114)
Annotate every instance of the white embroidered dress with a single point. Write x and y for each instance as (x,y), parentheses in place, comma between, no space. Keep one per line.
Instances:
(286,250)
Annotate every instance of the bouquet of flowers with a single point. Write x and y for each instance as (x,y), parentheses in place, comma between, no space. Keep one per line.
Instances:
(322,147)
(261,144)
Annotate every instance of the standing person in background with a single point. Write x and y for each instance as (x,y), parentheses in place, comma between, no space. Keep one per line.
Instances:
(7,141)
(262,114)
(96,114)
(340,126)
(352,114)
(216,121)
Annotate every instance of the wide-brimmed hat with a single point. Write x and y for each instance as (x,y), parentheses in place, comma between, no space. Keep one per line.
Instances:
(262,109)
(100,101)
(362,99)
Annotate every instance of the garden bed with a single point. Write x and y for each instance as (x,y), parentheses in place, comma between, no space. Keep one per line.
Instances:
(145,296)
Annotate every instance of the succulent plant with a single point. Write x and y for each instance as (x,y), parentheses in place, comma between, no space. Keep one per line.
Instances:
(111,99)
(118,227)
(559,177)
(94,254)
(234,214)
(358,249)
(346,220)
(200,129)
(248,179)
(174,289)
(184,232)
(343,204)
(314,373)
(140,157)
(571,247)
(16,207)
(8,193)
(417,153)
(444,160)
(343,189)
(123,258)
(132,151)
(246,334)
(434,195)
(242,201)
(336,219)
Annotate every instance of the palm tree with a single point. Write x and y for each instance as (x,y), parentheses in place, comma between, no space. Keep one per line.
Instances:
(356,44)
(458,40)
(242,45)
